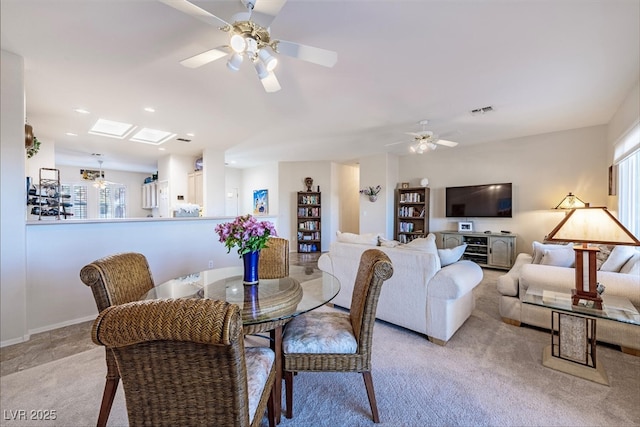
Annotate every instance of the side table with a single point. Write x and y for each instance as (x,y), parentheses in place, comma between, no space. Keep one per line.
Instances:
(573,330)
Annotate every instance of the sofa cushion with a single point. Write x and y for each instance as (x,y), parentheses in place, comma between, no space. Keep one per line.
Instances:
(424,244)
(370,239)
(449,256)
(632,266)
(539,248)
(617,258)
(603,254)
(388,243)
(560,258)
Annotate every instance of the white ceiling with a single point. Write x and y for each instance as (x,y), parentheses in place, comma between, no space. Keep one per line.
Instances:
(543,65)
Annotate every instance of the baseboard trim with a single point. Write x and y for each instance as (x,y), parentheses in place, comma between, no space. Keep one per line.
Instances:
(511,321)
(441,343)
(631,351)
(61,324)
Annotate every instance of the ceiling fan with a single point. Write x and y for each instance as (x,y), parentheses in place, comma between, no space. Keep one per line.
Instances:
(250,37)
(99,181)
(424,140)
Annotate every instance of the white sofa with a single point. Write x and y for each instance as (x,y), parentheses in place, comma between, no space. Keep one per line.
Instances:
(421,295)
(525,273)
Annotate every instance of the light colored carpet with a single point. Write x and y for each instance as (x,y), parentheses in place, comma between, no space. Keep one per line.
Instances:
(489,374)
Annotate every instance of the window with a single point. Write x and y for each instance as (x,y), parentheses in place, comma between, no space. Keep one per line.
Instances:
(629,193)
(112,202)
(78,198)
(627,157)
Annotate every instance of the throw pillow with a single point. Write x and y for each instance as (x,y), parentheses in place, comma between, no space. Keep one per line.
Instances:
(602,255)
(539,248)
(632,266)
(617,258)
(559,258)
(387,243)
(425,244)
(369,239)
(449,256)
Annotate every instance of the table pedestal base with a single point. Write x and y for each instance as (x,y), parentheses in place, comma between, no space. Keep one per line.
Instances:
(597,374)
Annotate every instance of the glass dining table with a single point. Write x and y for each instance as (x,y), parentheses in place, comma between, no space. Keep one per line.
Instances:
(265,307)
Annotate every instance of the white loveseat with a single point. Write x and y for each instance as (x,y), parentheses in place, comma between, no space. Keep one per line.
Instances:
(528,271)
(421,295)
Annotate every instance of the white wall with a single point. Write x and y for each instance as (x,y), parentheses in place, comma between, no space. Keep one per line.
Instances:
(13,296)
(377,217)
(542,168)
(232,184)
(57,297)
(347,185)
(291,180)
(264,177)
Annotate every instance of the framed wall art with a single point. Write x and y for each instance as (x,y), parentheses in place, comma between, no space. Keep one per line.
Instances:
(465,226)
(260,202)
(613,180)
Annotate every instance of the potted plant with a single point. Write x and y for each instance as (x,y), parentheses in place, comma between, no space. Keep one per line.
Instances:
(372,192)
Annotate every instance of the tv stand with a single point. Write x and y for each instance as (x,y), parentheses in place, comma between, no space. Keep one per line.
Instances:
(487,249)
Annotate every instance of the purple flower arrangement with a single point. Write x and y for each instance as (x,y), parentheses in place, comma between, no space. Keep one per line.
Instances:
(245,232)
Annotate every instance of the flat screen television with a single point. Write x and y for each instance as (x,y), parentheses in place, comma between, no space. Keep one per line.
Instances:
(479,201)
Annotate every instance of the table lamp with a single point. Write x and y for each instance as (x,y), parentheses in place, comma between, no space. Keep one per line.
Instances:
(590,225)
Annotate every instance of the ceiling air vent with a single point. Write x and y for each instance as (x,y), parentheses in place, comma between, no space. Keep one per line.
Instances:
(482,110)
(183,140)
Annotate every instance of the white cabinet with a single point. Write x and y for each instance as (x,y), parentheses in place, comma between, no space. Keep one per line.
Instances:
(150,195)
(195,190)
(495,250)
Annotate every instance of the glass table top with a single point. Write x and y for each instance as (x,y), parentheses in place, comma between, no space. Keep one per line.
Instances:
(614,307)
(305,289)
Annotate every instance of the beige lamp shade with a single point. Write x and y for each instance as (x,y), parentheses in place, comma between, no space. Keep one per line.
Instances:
(592,225)
(570,201)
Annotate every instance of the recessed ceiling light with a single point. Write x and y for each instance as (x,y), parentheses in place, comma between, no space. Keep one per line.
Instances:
(161,148)
(150,110)
(111,129)
(71,134)
(152,136)
(191,134)
(81,111)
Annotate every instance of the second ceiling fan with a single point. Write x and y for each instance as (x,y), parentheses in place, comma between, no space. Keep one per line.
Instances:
(425,140)
(250,37)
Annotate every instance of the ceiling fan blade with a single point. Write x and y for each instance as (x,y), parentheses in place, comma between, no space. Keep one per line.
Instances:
(270,83)
(446,143)
(205,57)
(265,11)
(395,143)
(326,58)
(191,9)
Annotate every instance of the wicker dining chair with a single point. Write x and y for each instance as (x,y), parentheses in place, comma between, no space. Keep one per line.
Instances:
(115,279)
(338,342)
(183,363)
(274,259)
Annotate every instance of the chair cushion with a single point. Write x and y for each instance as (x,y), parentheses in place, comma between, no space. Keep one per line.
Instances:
(319,332)
(259,361)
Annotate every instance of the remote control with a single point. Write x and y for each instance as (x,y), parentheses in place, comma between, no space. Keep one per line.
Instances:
(505,231)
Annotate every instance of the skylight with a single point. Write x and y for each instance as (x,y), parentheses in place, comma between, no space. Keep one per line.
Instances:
(152,136)
(111,129)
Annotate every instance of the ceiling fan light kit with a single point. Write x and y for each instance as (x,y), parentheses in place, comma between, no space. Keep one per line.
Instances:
(425,140)
(251,39)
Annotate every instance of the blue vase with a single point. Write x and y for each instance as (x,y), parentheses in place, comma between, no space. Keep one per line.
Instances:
(250,261)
